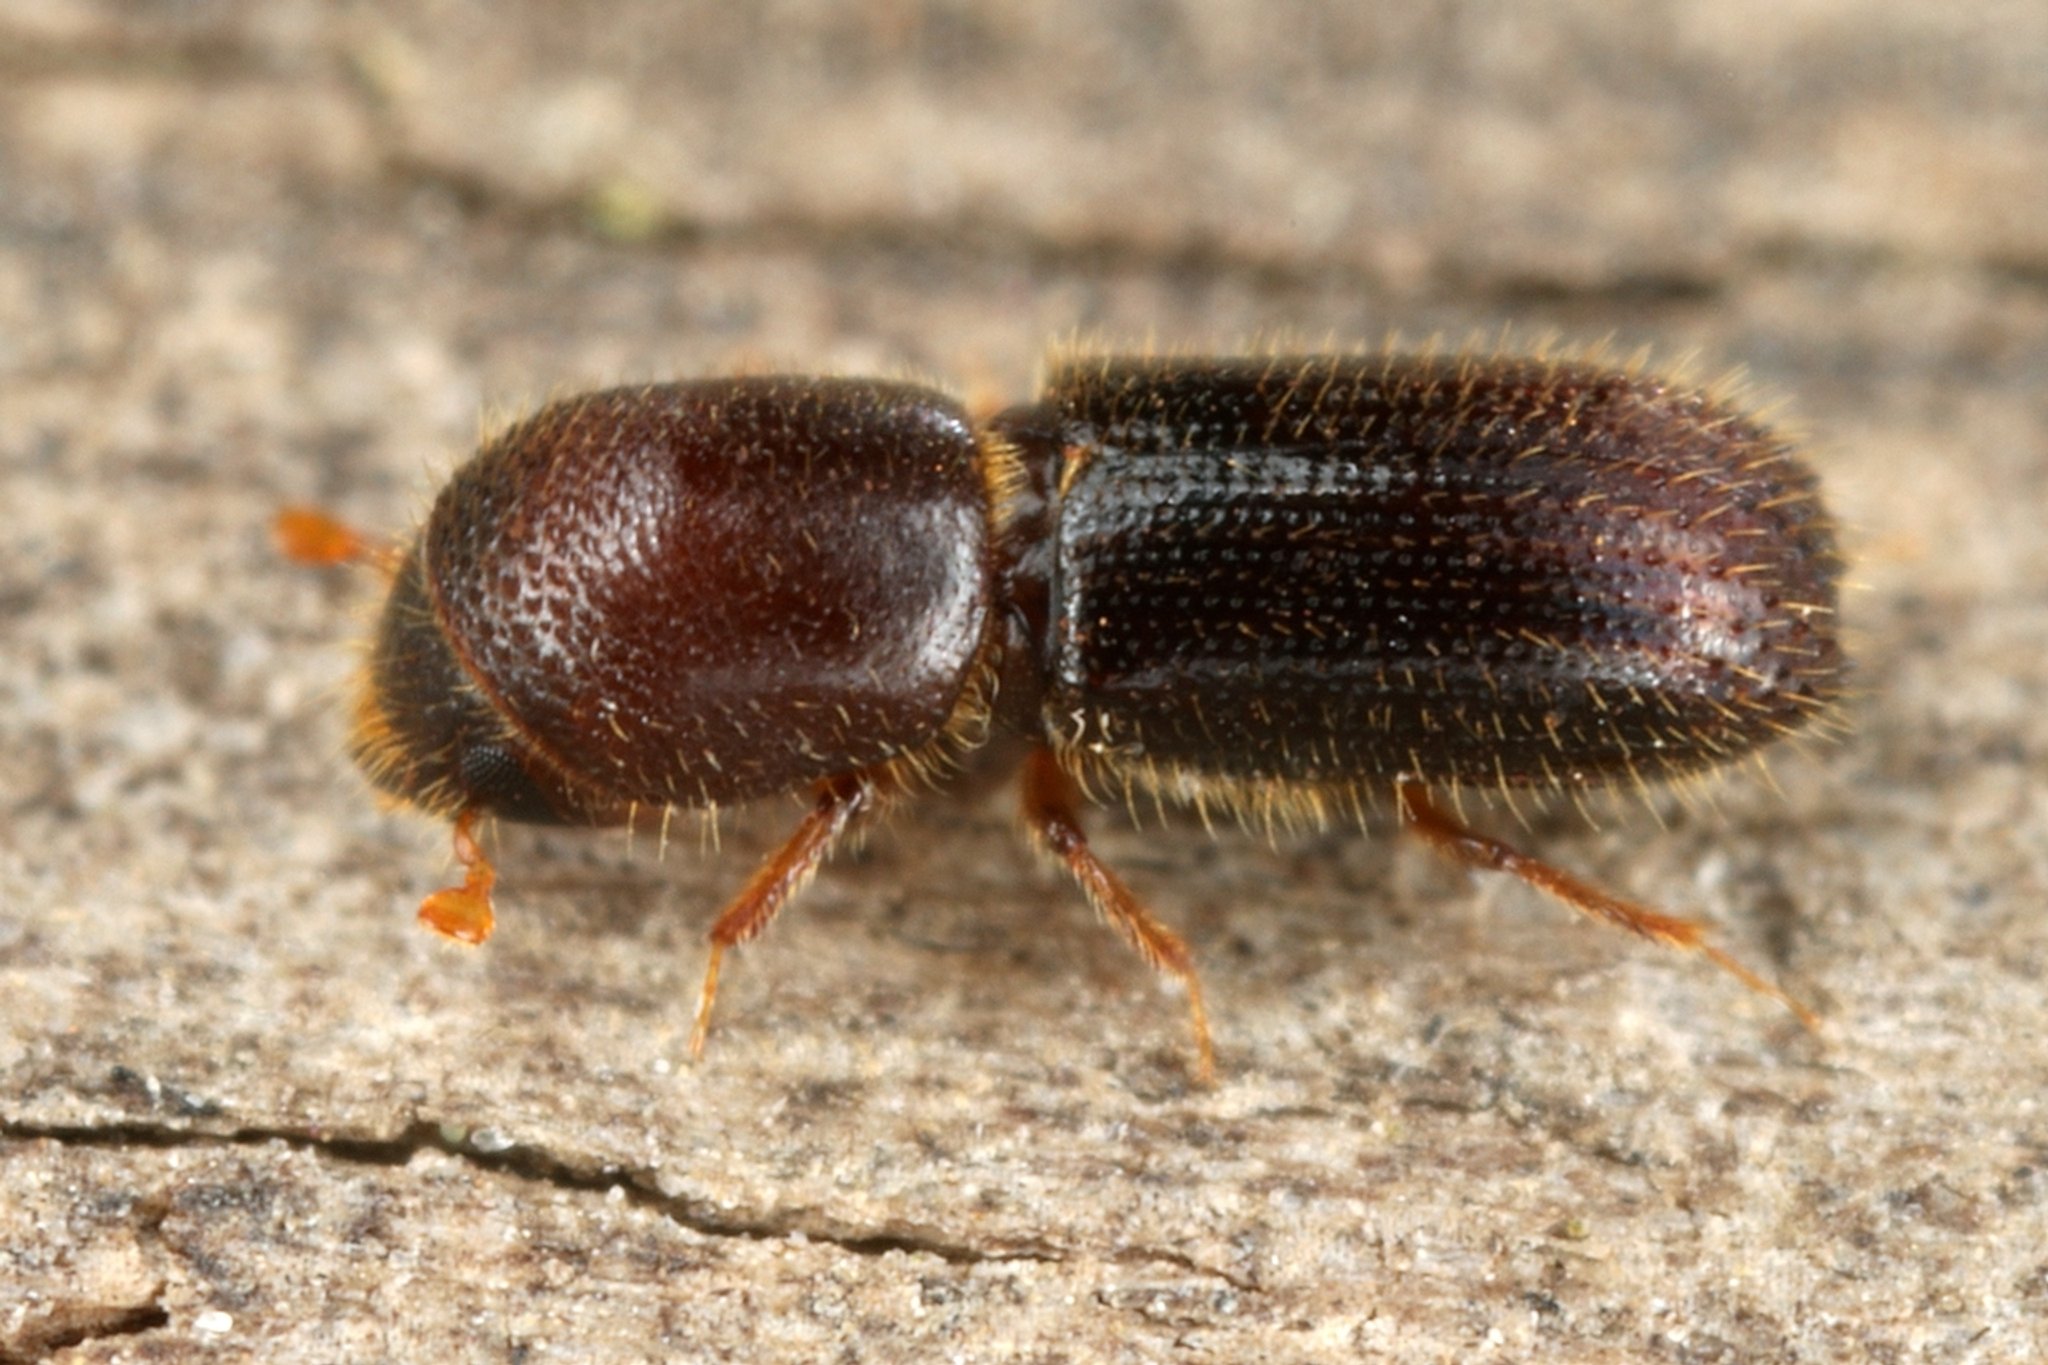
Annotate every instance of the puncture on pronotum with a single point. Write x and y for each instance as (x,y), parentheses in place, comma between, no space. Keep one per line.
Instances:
(1276,586)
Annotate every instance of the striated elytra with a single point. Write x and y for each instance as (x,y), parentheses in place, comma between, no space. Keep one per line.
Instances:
(1278,587)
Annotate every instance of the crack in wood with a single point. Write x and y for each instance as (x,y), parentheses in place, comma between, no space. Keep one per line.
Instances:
(67,1324)
(640,1188)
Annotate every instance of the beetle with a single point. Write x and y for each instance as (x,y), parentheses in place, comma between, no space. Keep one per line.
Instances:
(1278,587)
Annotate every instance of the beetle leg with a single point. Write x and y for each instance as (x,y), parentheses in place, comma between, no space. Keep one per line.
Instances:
(1052,801)
(839,803)
(1460,843)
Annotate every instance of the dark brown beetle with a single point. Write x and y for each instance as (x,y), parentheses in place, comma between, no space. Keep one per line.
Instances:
(1275,586)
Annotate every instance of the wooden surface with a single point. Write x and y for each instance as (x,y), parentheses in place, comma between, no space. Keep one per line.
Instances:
(256,253)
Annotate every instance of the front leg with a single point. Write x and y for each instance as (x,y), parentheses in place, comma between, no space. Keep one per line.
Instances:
(840,805)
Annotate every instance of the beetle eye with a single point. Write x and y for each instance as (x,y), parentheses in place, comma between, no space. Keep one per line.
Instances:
(496,782)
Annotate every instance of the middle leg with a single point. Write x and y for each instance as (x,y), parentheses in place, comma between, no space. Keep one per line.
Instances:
(1052,816)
